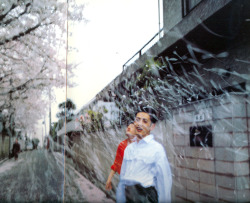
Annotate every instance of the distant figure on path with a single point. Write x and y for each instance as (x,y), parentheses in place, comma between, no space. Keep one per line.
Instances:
(47,144)
(16,149)
(116,167)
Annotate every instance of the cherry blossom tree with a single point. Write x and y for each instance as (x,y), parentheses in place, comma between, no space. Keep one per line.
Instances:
(33,51)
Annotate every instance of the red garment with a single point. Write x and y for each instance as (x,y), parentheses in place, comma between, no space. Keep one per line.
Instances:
(119,156)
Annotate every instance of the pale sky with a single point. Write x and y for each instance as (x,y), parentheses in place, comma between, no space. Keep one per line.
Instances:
(115,31)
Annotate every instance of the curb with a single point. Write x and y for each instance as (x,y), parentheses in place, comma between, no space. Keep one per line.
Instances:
(3,160)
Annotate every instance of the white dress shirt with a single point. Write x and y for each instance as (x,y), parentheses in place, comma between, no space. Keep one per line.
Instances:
(145,163)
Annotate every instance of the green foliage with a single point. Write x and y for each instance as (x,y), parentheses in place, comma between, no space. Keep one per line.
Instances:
(92,121)
(105,110)
(96,120)
(54,127)
(140,89)
(68,105)
(148,86)
(66,109)
(150,72)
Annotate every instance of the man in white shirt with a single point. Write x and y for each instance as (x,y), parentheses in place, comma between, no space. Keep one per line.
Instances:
(145,173)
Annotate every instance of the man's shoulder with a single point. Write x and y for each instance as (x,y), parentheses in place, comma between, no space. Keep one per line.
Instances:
(152,141)
(156,146)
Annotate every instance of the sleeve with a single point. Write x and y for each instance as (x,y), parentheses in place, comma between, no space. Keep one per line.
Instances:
(163,178)
(120,191)
(118,159)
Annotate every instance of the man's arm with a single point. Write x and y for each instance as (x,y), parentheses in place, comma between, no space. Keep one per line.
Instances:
(115,167)
(109,181)
(163,179)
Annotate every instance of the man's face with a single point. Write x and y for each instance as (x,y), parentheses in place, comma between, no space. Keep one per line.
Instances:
(143,125)
(131,131)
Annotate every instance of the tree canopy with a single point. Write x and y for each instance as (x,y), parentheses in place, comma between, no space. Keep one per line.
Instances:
(66,109)
(33,42)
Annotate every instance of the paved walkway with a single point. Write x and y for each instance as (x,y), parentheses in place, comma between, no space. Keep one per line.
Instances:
(40,176)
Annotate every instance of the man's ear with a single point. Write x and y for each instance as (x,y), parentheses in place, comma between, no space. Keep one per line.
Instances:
(152,126)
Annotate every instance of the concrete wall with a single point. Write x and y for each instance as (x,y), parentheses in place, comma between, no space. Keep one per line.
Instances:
(172,14)
(94,154)
(172,10)
(218,173)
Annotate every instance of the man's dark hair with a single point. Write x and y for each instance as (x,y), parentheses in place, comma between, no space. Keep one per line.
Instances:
(152,113)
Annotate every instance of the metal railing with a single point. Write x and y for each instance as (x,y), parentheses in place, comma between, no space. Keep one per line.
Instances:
(139,53)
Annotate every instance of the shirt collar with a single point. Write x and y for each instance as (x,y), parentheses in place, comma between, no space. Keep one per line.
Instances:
(148,138)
